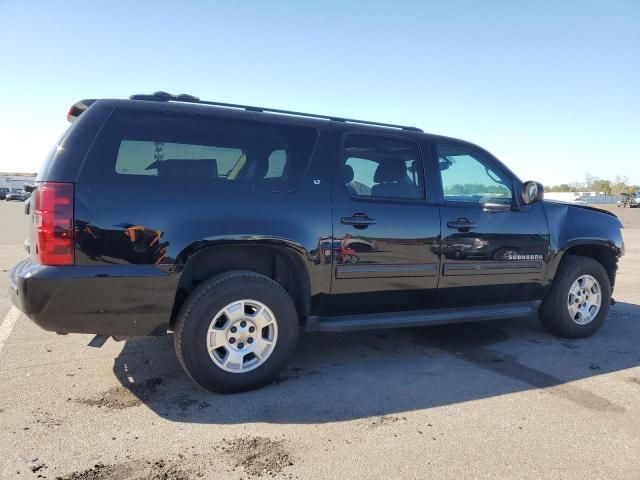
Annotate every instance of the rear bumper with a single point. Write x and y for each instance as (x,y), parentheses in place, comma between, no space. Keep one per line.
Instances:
(125,300)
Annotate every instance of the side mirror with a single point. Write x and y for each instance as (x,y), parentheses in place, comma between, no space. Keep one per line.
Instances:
(532,192)
(445,163)
(29,188)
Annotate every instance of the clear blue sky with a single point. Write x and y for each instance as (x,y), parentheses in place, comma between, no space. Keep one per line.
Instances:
(552,88)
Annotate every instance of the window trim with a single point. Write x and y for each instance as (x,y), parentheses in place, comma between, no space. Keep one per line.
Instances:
(378,199)
(481,156)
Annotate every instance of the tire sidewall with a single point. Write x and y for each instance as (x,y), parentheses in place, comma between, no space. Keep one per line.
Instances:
(198,314)
(585,266)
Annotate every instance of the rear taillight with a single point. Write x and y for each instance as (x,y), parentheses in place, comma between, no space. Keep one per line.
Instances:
(53,220)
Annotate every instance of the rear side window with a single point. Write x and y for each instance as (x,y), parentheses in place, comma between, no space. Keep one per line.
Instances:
(381,167)
(134,156)
(165,148)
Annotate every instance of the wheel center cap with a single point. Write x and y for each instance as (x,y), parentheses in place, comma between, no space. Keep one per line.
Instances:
(241,334)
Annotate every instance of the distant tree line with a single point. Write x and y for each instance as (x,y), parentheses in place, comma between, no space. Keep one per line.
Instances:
(475,188)
(617,186)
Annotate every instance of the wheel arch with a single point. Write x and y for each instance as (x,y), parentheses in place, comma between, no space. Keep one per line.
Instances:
(280,260)
(603,251)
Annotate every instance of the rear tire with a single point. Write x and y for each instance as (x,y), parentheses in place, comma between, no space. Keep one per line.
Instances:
(578,303)
(249,319)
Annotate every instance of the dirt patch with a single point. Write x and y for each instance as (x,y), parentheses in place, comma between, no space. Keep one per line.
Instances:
(45,418)
(35,466)
(162,470)
(258,455)
(635,380)
(115,398)
(118,398)
(386,420)
(142,470)
(102,472)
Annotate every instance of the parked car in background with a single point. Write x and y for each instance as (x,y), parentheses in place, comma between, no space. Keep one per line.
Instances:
(16,196)
(3,193)
(631,200)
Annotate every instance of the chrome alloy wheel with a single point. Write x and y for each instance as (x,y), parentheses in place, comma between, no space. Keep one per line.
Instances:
(584,299)
(242,336)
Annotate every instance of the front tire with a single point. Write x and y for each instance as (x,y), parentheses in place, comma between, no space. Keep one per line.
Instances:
(578,303)
(235,332)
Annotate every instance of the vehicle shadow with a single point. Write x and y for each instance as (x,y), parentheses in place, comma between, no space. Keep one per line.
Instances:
(338,377)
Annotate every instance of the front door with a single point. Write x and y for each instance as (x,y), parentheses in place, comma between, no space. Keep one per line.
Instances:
(386,226)
(493,251)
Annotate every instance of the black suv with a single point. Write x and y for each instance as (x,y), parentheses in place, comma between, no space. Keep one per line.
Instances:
(234,227)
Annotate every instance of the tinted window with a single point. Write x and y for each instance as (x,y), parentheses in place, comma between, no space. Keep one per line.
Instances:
(134,157)
(381,167)
(165,148)
(466,177)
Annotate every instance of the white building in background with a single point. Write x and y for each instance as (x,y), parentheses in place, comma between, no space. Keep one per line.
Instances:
(582,197)
(563,196)
(16,181)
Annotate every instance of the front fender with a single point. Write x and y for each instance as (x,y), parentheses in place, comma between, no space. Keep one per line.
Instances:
(573,226)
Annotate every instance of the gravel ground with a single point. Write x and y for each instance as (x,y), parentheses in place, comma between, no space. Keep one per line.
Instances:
(489,400)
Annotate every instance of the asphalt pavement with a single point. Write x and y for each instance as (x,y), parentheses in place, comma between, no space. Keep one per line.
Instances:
(500,399)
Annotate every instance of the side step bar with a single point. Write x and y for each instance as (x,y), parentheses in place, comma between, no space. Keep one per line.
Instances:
(416,318)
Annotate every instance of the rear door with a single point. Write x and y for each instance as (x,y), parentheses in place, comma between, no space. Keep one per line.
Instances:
(493,251)
(386,226)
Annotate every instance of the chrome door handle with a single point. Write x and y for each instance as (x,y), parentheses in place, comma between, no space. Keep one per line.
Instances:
(358,220)
(461,224)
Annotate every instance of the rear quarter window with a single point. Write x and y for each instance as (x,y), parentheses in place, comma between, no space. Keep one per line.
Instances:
(166,148)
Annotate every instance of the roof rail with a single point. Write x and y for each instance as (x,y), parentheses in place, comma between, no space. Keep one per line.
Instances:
(168,97)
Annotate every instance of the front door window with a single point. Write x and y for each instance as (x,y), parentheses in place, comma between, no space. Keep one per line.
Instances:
(467,178)
(381,167)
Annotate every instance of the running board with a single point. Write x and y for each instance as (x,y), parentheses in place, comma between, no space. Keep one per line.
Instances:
(416,318)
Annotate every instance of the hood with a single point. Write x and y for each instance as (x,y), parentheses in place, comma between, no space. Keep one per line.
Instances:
(578,205)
